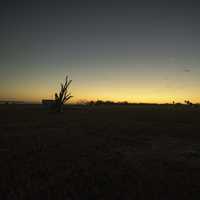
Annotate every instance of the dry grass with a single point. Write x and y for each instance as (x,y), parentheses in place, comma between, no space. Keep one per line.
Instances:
(147,152)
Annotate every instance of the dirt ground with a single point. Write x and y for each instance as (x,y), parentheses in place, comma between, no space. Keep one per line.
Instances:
(102,152)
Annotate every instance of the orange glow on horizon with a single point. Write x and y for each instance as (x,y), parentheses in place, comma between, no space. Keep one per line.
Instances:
(105,95)
(133,85)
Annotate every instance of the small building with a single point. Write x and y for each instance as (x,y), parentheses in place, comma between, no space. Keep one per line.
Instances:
(48,103)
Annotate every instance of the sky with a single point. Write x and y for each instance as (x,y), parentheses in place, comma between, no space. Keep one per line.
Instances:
(136,51)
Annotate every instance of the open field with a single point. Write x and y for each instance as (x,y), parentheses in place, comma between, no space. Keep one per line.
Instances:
(105,152)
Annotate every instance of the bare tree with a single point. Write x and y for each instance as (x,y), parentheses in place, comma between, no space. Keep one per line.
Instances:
(63,95)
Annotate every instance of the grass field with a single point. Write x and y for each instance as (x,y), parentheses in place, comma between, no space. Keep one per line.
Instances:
(103,152)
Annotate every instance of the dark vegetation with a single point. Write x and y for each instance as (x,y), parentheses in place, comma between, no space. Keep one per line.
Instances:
(126,103)
(63,96)
(101,152)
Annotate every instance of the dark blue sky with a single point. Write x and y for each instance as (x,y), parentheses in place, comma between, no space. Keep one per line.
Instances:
(118,50)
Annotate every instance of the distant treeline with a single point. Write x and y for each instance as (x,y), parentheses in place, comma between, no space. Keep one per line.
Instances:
(11,102)
(101,102)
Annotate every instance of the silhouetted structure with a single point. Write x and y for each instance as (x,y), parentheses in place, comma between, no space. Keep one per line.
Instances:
(48,103)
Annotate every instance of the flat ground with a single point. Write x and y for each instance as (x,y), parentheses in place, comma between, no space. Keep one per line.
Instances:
(104,152)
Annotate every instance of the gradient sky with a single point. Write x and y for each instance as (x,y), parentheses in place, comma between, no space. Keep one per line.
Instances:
(139,51)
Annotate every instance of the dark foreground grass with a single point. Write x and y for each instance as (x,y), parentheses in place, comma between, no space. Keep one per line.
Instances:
(138,152)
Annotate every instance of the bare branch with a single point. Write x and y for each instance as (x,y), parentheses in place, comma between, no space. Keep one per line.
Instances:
(64,96)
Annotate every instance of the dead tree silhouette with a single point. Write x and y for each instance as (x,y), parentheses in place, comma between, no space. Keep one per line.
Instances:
(63,96)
